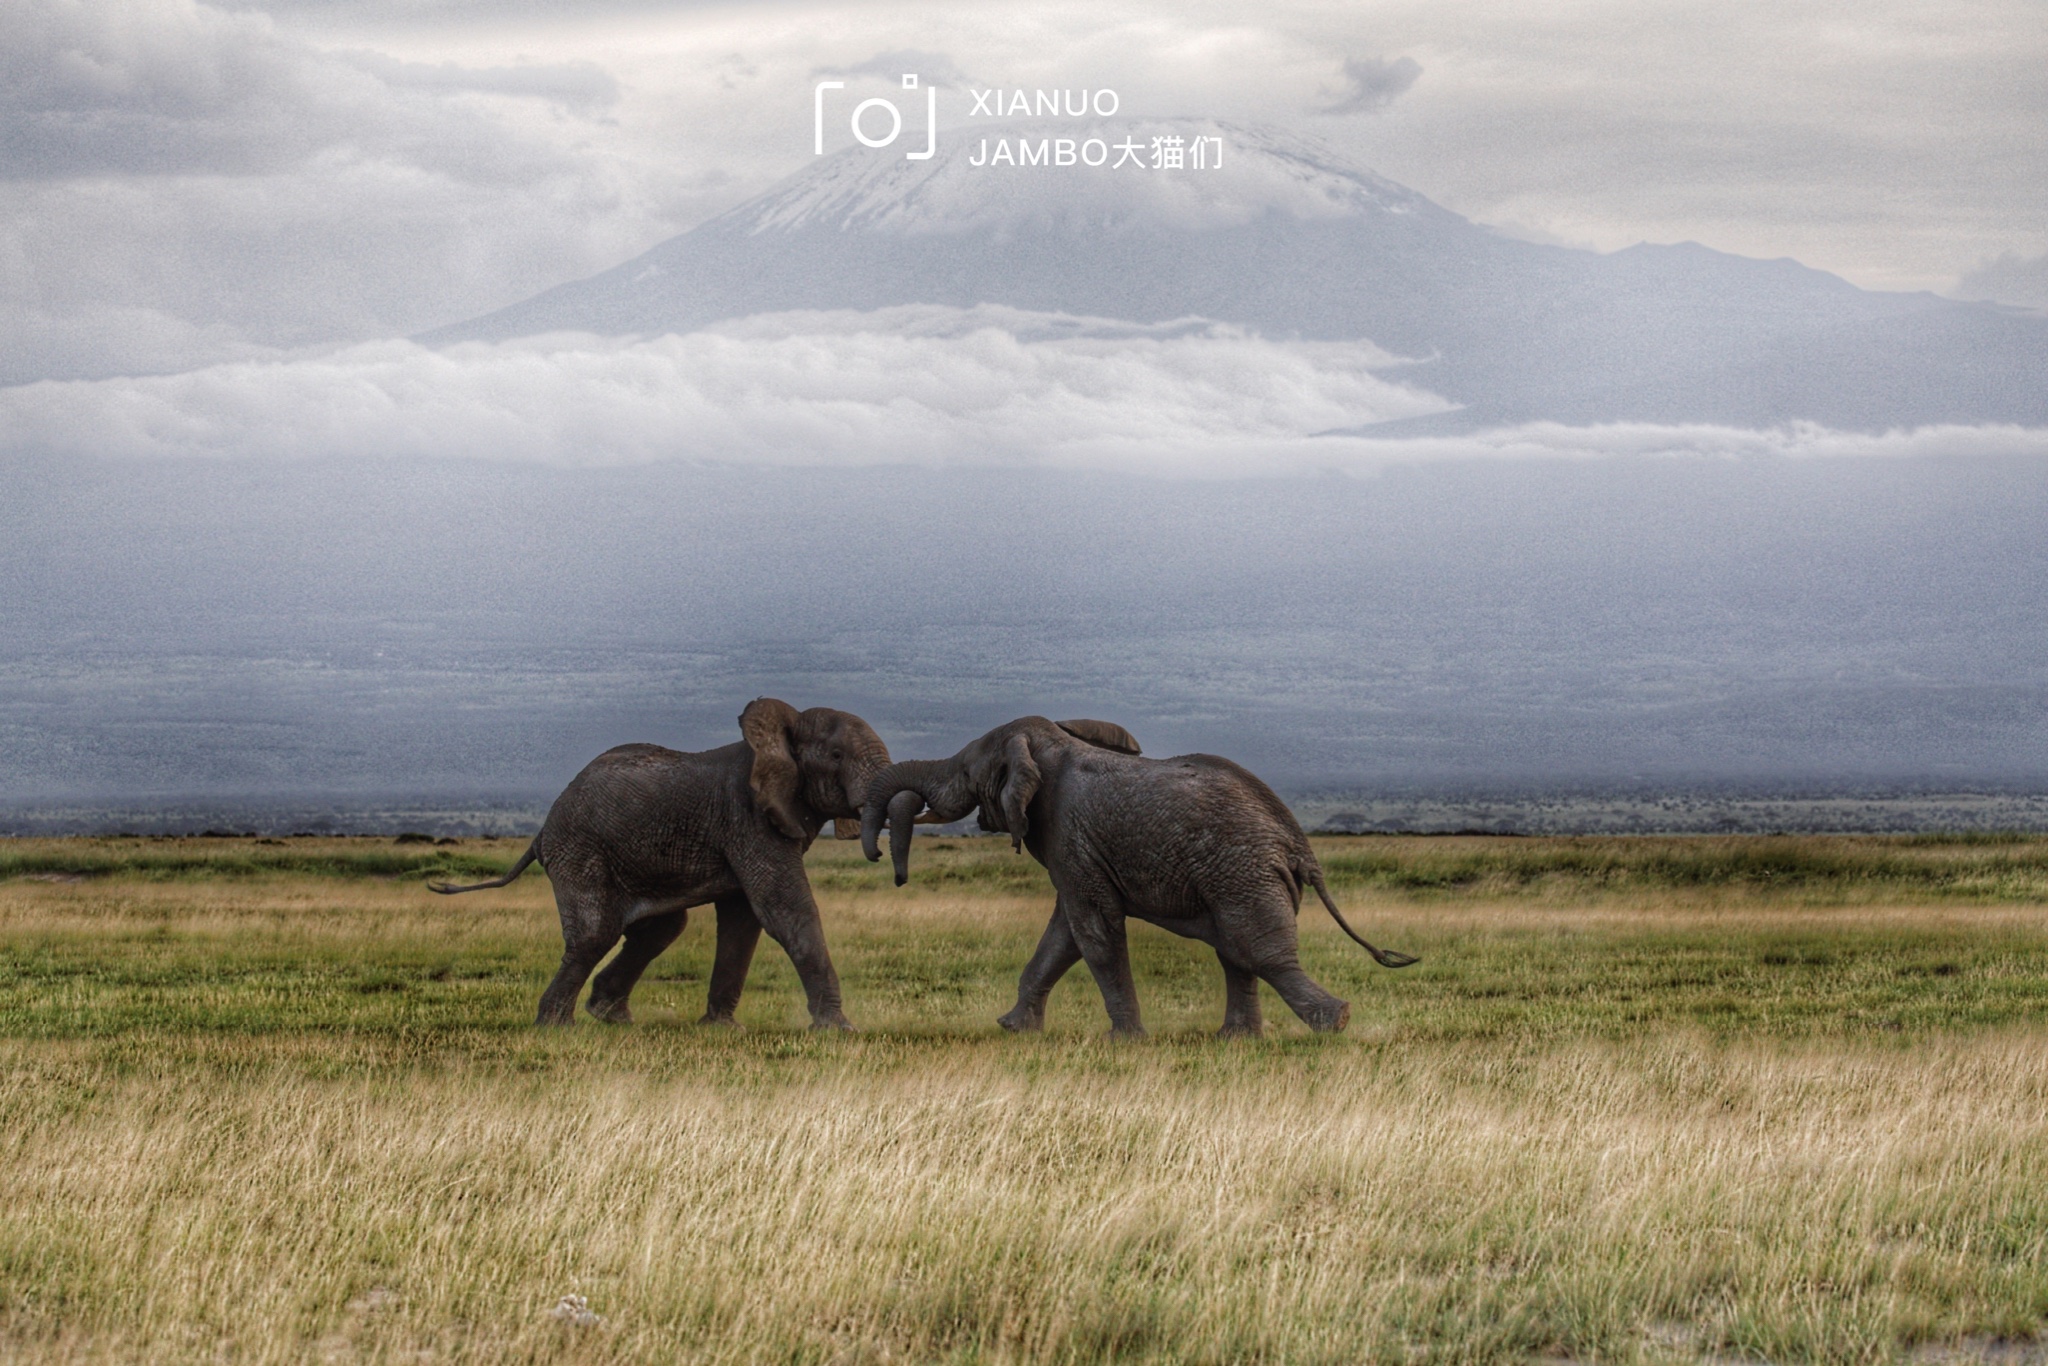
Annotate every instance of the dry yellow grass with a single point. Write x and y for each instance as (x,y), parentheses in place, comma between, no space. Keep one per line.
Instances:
(300,1118)
(1064,1202)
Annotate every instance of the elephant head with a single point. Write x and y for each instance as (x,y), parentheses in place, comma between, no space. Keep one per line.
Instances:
(999,773)
(819,762)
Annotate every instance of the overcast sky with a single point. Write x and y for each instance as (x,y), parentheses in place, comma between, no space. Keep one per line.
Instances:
(182,183)
(263,543)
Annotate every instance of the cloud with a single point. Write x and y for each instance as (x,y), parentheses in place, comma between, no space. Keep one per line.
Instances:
(933,68)
(1825,132)
(1371,83)
(348,248)
(575,85)
(2008,279)
(152,87)
(1551,441)
(182,185)
(170,87)
(223,168)
(918,385)
(111,338)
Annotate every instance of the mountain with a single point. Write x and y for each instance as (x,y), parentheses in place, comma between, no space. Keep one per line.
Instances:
(1288,239)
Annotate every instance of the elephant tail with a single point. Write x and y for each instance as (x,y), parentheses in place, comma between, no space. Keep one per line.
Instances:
(532,853)
(1386,958)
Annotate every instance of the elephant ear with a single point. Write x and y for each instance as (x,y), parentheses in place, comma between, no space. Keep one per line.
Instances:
(1102,735)
(1019,787)
(769,726)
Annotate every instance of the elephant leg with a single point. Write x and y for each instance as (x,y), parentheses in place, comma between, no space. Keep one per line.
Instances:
(589,929)
(1261,936)
(738,932)
(645,939)
(1318,1009)
(781,897)
(1057,952)
(1098,930)
(1241,1018)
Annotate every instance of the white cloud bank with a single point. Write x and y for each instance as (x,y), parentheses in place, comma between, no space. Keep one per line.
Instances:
(917,385)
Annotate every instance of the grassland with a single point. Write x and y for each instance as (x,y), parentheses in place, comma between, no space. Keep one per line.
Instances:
(1652,1100)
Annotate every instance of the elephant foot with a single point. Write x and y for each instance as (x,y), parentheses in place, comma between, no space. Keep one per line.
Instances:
(1243,1031)
(833,1023)
(719,1017)
(555,1019)
(1132,1032)
(1332,1019)
(611,1012)
(1022,1021)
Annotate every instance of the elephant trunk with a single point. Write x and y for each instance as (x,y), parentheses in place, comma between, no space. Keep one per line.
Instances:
(896,795)
(903,809)
(871,818)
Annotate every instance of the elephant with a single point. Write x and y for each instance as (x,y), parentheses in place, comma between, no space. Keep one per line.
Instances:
(644,833)
(1194,844)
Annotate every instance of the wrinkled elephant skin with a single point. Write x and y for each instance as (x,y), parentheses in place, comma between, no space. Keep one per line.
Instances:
(644,833)
(1193,844)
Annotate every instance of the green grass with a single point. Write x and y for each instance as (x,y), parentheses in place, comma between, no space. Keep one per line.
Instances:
(1643,1101)
(1838,869)
(1607,940)
(168,858)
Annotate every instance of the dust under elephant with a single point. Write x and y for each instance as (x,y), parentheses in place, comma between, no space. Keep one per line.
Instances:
(644,833)
(1194,844)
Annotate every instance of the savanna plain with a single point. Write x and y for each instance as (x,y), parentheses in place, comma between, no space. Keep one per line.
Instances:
(1644,1100)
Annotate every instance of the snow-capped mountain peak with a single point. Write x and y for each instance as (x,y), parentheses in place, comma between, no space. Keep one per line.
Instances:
(1102,174)
(1280,236)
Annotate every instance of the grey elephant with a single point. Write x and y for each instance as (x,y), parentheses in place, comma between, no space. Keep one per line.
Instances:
(644,833)
(1194,844)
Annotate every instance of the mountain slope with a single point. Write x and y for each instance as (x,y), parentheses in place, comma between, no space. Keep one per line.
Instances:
(1288,240)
